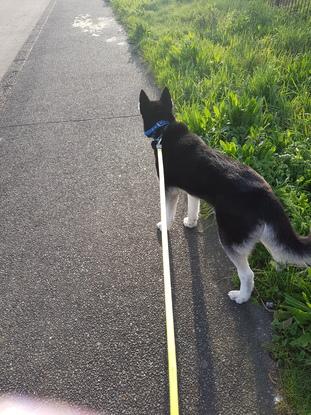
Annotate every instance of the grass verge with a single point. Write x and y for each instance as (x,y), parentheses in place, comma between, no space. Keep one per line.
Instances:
(239,72)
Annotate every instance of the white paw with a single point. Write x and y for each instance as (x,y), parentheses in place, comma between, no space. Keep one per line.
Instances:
(190,223)
(237,297)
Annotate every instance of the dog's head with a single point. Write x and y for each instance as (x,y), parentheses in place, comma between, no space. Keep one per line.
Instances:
(155,111)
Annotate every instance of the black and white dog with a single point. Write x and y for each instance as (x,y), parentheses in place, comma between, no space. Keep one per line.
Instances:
(246,209)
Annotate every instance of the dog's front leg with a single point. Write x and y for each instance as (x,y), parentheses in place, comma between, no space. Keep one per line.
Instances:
(171,196)
(193,212)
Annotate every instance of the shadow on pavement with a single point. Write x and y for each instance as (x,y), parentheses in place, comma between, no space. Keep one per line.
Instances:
(207,391)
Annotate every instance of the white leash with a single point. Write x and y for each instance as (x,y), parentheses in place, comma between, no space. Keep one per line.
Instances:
(170,334)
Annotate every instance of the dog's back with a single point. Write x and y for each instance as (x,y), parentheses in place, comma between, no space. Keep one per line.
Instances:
(209,174)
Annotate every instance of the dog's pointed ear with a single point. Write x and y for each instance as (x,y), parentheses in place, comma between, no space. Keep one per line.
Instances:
(143,100)
(166,99)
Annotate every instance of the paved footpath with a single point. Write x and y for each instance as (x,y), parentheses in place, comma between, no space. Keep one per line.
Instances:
(82,302)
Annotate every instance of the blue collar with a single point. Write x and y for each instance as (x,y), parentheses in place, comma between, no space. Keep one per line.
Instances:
(157,126)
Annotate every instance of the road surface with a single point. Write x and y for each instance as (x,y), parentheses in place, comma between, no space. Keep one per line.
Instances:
(17,19)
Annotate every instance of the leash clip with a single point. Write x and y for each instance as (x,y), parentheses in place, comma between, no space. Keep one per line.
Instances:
(159,142)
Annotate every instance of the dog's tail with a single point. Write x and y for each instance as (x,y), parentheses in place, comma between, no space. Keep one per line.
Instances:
(281,240)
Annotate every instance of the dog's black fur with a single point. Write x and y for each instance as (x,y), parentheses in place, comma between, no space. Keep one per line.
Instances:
(246,209)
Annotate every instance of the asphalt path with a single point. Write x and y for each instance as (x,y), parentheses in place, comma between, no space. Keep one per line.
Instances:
(82,303)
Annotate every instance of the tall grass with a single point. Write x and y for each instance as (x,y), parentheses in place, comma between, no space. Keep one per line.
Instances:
(240,75)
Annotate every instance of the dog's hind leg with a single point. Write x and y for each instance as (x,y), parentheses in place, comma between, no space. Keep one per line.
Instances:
(238,235)
(193,212)
(171,196)
(246,276)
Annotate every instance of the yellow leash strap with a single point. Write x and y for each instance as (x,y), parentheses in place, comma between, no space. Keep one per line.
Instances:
(170,335)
